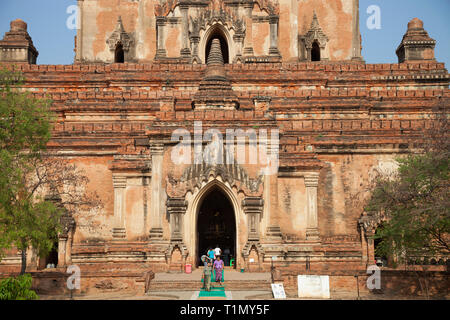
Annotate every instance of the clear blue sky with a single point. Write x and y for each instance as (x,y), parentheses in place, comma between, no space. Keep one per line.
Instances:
(55,42)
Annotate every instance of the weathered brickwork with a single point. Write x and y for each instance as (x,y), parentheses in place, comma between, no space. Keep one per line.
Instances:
(339,120)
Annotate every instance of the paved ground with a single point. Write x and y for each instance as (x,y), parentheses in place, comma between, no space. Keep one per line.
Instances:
(167,295)
(230,275)
(231,295)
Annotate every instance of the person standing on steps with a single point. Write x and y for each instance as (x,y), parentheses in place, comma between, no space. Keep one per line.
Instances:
(211,254)
(217,251)
(218,268)
(205,260)
(207,276)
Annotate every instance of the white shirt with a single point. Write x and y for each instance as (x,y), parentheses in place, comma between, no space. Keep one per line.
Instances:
(217,251)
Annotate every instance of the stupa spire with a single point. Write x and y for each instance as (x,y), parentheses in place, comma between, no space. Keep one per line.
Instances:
(215,54)
(215,90)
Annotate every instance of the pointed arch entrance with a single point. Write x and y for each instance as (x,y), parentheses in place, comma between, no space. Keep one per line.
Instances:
(217,31)
(216,225)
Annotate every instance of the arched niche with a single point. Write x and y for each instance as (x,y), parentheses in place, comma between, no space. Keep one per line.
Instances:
(196,200)
(226,42)
(223,46)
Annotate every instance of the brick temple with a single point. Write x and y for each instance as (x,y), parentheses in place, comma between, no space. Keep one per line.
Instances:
(145,68)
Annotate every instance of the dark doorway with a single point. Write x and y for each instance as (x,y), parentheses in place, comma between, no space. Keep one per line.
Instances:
(216,225)
(315,52)
(51,258)
(119,56)
(217,34)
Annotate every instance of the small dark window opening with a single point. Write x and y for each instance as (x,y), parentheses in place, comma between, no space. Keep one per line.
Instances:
(315,52)
(223,46)
(119,56)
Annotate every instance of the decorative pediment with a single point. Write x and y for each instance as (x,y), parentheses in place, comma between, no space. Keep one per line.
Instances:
(370,221)
(249,246)
(119,36)
(217,14)
(315,33)
(196,175)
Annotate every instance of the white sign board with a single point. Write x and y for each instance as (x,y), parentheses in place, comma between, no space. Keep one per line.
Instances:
(313,287)
(278,291)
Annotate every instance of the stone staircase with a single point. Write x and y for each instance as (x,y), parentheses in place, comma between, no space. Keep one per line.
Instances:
(234,281)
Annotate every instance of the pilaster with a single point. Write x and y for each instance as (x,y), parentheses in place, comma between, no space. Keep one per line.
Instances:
(119,184)
(248,46)
(157,152)
(185,51)
(311,183)
(253,207)
(160,26)
(273,22)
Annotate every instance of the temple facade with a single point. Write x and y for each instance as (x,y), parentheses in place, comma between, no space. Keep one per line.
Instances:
(310,124)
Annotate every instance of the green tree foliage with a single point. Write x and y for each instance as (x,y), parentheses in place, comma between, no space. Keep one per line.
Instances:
(415,200)
(18,288)
(26,218)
